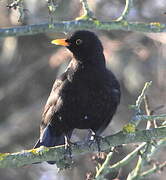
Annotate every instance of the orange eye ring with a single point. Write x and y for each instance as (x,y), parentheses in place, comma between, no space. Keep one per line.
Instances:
(78,41)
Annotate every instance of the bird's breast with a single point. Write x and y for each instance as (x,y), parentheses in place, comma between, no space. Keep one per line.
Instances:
(86,100)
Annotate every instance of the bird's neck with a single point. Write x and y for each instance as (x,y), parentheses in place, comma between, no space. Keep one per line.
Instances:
(97,60)
(87,70)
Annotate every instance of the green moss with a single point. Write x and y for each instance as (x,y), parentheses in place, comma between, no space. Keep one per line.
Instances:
(33,151)
(97,22)
(51,26)
(125,23)
(129,128)
(2,155)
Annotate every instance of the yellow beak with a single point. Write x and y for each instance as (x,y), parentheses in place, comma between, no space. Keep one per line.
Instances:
(61,42)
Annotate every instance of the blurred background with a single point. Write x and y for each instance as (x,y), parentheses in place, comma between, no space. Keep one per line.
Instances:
(30,64)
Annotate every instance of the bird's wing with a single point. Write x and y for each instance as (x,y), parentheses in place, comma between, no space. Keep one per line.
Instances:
(54,100)
(52,105)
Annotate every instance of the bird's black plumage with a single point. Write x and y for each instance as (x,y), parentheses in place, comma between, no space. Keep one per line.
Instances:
(85,96)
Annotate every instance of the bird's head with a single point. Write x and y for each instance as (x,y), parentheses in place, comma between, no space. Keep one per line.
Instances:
(83,44)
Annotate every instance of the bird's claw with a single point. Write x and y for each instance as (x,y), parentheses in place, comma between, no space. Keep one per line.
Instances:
(68,148)
(95,139)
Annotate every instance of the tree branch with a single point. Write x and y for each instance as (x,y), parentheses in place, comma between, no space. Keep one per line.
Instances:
(57,153)
(66,26)
(151,117)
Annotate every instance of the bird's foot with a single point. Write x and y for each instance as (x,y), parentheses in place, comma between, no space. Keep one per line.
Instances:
(68,153)
(68,145)
(95,139)
(68,149)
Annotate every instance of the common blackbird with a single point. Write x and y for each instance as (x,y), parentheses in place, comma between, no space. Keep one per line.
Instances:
(85,96)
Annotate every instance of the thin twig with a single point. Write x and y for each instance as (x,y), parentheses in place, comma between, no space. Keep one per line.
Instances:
(125,13)
(152,117)
(86,7)
(121,163)
(104,168)
(150,149)
(142,95)
(153,170)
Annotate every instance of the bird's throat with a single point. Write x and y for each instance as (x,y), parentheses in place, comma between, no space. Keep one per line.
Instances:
(94,60)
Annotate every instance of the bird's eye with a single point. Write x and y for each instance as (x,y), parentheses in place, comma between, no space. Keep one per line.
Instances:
(78,41)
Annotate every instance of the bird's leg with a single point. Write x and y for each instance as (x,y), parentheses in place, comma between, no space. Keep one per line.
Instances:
(68,144)
(95,138)
(98,139)
(90,136)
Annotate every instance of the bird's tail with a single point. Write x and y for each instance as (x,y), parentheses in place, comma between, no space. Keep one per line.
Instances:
(49,139)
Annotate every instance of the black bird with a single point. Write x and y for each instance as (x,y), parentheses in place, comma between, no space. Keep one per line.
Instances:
(85,96)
